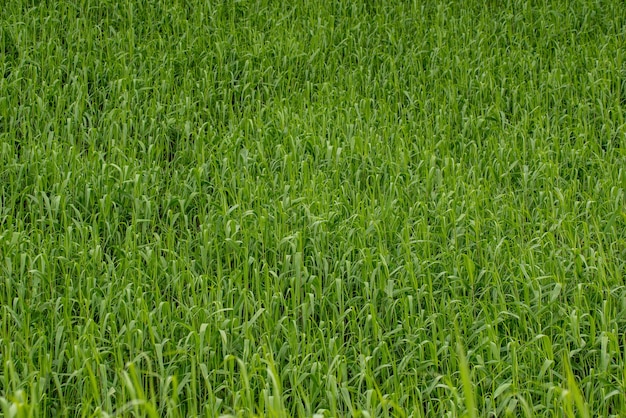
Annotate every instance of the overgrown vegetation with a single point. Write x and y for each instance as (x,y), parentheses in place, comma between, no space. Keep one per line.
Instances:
(312,209)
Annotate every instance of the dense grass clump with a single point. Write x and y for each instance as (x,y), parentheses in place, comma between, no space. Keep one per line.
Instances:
(263,208)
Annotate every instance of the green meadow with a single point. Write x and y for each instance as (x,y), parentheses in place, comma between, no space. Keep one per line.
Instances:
(312,209)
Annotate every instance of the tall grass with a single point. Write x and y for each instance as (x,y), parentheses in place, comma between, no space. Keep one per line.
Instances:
(312,209)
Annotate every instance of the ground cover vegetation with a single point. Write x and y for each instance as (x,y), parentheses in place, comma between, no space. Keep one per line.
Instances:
(312,208)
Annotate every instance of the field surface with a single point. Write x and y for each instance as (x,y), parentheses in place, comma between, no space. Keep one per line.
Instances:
(281,209)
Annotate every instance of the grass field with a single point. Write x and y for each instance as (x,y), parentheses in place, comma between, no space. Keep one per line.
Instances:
(264,208)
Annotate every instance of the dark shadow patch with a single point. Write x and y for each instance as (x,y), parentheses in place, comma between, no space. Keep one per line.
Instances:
(9,51)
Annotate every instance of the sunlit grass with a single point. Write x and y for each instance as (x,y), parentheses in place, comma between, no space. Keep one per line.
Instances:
(251,208)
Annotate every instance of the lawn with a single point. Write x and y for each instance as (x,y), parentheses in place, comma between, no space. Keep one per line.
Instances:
(293,208)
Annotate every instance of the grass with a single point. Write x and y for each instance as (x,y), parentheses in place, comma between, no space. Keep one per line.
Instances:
(262,208)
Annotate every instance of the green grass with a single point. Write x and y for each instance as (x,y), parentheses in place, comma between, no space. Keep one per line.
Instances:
(262,208)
